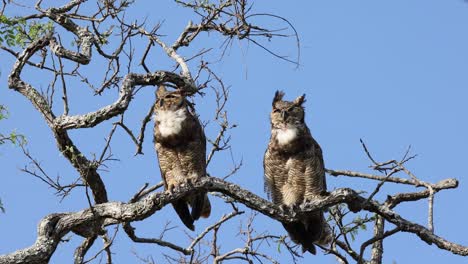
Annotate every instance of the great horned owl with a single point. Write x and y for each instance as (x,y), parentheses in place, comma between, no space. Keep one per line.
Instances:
(294,170)
(181,148)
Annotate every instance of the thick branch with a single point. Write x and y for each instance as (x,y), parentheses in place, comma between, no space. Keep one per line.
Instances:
(120,105)
(91,119)
(66,146)
(394,200)
(52,228)
(377,247)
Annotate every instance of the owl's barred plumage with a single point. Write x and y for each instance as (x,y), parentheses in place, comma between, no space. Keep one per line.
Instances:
(294,170)
(181,148)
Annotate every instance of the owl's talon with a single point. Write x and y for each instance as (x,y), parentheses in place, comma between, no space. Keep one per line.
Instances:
(288,208)
(284,207)
(295,207)
(170,188)
(189,182)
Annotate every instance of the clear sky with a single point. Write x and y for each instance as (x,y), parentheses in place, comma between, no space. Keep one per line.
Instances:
(393,73)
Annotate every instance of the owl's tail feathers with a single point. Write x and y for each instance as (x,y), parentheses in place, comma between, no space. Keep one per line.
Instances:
(201,206)
(313,230)
(181,208)
(298,234)
(206,211)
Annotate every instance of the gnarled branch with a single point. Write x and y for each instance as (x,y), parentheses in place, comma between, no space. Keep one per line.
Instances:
(53,227)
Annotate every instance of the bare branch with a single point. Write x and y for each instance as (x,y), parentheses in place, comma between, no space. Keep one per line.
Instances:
(215,225)
(141,135)
(55,226)
(377,259)
(81,251)
(131,234)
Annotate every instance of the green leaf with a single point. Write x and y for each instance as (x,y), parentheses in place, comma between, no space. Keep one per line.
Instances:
(363,227)
(19,32)
(3,112)
(280,241)
(13,137)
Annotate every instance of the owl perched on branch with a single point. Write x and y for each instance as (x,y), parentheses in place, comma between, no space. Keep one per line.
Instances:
(181,148)
(295,172)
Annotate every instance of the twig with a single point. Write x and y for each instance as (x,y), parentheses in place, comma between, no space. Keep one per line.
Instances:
(211,227)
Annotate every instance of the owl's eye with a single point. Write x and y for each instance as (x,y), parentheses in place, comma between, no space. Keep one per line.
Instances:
(276,110)
(170,96)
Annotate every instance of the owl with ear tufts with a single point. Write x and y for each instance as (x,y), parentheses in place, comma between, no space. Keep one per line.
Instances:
(295,172)
(181,148)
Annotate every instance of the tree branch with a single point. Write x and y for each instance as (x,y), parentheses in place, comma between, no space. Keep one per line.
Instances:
(53,227)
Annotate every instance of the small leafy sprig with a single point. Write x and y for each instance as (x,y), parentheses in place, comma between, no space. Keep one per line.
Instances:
(19,32)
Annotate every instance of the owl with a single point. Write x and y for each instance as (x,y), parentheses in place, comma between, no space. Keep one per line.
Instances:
(181,148)
(295,172)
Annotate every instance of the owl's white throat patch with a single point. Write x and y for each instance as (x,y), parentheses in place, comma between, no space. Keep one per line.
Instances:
(285,136)
(170,122)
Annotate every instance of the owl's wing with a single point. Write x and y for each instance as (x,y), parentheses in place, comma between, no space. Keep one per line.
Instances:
(274,176)
(192,155)
(314,173)
(167,163)
(200,203)
(166,159)
(268,179)
(198,134)
(202,145)
(318,230)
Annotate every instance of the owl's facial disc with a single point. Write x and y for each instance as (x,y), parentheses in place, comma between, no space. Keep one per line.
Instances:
(286,115)
(171,102)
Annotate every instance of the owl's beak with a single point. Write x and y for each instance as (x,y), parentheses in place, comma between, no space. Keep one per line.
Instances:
(284,115)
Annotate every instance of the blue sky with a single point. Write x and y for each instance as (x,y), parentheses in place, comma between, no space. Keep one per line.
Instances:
(393,73)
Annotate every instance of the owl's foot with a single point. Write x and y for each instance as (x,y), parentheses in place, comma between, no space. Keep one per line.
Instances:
(289,208)
(170,188)
(295,207)
(189,182)
(284,207)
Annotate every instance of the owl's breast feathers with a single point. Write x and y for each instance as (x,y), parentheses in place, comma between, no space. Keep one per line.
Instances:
(170,122)
(291,140)
(177,127)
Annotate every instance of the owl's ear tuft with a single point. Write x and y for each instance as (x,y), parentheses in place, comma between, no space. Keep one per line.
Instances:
(299,100)
(278,97)
(161,91)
